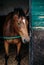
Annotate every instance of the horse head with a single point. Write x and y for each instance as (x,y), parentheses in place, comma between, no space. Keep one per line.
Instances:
(21,24)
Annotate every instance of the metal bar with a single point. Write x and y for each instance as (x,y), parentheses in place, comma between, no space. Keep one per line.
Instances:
(9,37)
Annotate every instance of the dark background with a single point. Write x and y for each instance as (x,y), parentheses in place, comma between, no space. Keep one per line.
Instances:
(7,6)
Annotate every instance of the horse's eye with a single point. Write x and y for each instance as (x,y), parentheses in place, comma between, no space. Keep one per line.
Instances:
(18,23)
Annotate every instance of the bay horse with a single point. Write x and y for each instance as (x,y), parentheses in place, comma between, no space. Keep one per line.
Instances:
(16,24)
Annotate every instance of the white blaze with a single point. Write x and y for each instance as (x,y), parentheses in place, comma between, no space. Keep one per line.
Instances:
(24,21)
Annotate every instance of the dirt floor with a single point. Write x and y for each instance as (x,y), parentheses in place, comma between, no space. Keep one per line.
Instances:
(12,53)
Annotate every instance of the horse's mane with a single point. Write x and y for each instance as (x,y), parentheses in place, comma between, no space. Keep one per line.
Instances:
(9,16)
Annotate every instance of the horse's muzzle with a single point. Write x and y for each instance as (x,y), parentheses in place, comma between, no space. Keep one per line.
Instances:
(26,40)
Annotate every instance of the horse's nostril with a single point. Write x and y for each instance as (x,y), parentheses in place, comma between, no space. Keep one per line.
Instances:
(24,40)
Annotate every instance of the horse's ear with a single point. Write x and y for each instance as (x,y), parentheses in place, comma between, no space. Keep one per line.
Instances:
(26,11)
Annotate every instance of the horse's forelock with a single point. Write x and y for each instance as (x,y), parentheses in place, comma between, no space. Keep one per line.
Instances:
(19,11)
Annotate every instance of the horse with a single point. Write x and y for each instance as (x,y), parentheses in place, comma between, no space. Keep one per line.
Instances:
(16,24)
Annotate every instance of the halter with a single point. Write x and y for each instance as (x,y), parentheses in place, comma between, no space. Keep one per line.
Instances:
(9,37)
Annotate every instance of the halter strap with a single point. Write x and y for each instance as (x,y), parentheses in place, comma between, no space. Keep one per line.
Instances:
(8,38)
